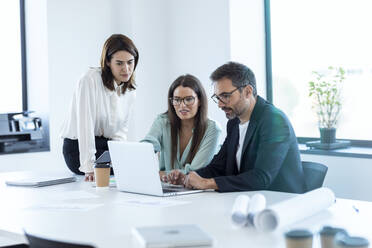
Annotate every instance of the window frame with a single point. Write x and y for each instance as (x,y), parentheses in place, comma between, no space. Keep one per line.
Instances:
(24,85)
(269,77)
(23,55)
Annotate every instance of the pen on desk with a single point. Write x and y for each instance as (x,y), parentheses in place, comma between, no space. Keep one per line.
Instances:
(356,209)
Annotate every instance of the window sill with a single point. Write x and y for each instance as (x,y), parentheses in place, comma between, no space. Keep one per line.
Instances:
(352,151)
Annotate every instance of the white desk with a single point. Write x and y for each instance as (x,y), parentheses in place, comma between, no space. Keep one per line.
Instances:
(110,225)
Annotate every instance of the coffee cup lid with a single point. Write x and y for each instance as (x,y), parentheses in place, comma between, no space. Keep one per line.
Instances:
(347,241)
(329,230)
(102,165)
(298,234)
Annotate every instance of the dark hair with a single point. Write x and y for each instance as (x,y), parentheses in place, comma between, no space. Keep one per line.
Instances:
(239,74)
(200,119)
(115,43)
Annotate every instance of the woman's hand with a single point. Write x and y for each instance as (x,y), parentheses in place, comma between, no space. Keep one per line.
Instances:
(163,176)
(89,177)
(176,177)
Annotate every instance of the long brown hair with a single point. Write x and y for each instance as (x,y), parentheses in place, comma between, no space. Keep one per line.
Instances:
(200,119)
(115,43)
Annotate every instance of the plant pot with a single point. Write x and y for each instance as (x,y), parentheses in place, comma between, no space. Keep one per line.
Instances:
(327,135)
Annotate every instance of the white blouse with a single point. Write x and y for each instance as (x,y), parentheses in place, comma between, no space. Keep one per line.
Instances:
(97,111)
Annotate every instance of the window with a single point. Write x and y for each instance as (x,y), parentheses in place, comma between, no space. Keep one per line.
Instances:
(18,133)
(12,97)
(309,36)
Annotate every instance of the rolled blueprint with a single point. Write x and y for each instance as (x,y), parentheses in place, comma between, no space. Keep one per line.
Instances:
(293,210)
(256,205)
(239,214)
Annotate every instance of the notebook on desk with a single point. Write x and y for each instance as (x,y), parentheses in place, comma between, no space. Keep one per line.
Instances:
(40,181)
(136,169)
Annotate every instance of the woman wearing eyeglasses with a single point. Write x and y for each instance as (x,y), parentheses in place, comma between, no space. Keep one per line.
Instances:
(184,136)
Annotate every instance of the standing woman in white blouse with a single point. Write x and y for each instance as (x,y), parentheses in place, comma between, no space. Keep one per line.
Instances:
(101,106)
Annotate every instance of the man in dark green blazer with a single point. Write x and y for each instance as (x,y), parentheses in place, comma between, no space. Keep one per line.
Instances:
(260,151)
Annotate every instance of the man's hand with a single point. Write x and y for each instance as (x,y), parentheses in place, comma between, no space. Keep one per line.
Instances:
(176,177)
(194,181)
(89,177)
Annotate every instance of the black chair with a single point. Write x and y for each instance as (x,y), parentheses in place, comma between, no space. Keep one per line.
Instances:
(38,242)
(314,174)
(16,246)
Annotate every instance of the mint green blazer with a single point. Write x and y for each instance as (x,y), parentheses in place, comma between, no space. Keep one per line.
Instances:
(160,137)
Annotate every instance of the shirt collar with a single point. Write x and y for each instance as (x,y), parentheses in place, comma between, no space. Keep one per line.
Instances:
(117,88)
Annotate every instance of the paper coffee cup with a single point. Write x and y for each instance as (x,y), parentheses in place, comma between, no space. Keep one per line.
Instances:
(102,175)
(327,236)
(299,238)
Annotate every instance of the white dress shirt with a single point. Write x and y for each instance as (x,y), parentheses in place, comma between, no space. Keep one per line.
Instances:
(97,111)
(242,131)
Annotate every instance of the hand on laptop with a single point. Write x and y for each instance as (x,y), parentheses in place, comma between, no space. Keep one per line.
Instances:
(194,181)
(176,177)
(163,176)
(89,177)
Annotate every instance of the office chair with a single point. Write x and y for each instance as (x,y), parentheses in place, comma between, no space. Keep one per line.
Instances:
(38,242)
(314,174)
(16,246)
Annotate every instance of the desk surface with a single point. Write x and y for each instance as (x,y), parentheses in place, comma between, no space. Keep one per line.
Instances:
(110,224)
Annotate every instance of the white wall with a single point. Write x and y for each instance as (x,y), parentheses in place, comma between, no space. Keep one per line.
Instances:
(199,43)
(150,35)
(248,38)
(174,38)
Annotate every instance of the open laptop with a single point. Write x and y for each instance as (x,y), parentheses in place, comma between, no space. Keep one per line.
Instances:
(136,169)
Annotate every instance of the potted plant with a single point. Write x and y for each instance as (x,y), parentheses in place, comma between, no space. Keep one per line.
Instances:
(325,90)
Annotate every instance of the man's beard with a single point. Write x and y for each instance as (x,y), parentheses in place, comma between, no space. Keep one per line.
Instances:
(231,114)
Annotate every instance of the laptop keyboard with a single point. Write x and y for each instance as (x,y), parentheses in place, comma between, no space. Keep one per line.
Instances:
(170,190)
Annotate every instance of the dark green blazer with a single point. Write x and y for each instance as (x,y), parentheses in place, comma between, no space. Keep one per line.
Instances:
(270,156)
